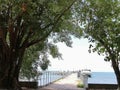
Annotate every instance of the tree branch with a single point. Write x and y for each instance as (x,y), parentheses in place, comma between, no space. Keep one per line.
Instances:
(57,19)
(63,12)
(27,38)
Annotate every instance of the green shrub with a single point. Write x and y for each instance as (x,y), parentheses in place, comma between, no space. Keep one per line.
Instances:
(80,85)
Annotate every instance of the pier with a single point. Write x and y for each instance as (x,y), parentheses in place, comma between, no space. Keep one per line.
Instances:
(56,80)
(49,77)
(67,83)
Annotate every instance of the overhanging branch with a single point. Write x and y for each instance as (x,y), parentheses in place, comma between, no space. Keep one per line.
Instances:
(57,19)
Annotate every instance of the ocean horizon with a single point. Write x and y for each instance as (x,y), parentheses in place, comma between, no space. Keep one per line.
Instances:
(102,78)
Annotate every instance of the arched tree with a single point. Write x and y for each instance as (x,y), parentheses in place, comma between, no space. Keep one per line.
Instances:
(24,23)
(100,20)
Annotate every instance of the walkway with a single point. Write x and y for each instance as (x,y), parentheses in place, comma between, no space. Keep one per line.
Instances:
(68,83)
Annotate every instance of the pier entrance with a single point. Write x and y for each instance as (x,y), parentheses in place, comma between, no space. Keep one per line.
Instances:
(67,83)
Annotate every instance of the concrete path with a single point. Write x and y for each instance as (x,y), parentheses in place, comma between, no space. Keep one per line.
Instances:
(68,83)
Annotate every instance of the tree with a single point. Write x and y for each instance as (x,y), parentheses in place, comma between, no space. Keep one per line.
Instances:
(24,23)
(100,20)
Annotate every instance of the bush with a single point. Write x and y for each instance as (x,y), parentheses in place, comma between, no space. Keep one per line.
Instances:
(80,85)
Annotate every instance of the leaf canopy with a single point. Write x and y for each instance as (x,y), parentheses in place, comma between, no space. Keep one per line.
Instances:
(100,20)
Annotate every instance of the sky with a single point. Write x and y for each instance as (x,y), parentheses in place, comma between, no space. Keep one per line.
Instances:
(78,57)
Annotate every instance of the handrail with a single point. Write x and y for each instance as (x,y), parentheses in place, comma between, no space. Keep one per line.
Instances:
(48,77)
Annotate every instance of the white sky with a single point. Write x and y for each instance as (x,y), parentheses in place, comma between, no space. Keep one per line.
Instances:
(78,57)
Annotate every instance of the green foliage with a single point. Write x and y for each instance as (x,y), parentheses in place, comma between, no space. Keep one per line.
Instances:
(29,67)
(46,19)
(44,64)
(27,25)
(80,84)
(37,57)
(100,21)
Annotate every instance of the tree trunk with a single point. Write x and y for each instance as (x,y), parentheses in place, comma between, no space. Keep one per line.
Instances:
(117,72)
(9,79)
(9,83)
(118,78)
(10,68)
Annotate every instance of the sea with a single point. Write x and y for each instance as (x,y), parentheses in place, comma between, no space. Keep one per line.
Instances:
(102,78)
(96,78)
